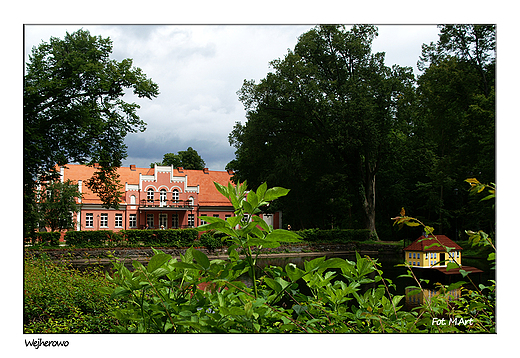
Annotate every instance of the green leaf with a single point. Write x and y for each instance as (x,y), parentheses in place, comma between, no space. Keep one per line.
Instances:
(455,285)
(201,259)
(464,273)
(432,245)
(184,265)
(233,221)
(252,199)
(451,265)
(283,236)
(222,189)
(411,223)
(260,192)
(293,272)
(275,193)
(157,261)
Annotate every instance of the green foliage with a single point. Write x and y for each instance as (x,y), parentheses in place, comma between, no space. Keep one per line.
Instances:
(195,294)
(60,299)
(91,238)
(212,240)
(188,159)
(44,238)
(321,124)
(101,238)
(56,201)
(74,111)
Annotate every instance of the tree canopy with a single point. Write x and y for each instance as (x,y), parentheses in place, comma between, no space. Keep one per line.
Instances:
(74,111)
(322,119)
(188,159)
(331,117)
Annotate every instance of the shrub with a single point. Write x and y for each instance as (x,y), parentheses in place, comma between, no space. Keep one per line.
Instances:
(89,238)
(212,240)
(45,238)
(169,237)
(60,299)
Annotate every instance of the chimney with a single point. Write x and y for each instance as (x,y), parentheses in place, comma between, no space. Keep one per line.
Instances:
(180,169)
(230,171)
(132,166)
(205,170)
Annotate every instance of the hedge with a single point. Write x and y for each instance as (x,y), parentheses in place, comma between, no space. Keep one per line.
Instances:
(92,238)
(45,238)
(171,238)
(212,240)
(335,236)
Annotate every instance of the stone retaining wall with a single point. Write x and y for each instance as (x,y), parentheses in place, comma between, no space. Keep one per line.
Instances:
(145,253)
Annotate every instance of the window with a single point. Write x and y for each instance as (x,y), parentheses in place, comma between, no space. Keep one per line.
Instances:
(119,220)
(104,220)
(175,221)
(418,256)
(426,256)
(149,194)
(132,199)
(163,196)
(215,215)
(175,195)
(191,220)
(409,255)
(202,222)
(162,221)
(414,255)
(149,220)
(132,220)
(89,220)
(192,201)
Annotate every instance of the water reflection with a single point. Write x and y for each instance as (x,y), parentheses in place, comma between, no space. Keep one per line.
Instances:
(415,297)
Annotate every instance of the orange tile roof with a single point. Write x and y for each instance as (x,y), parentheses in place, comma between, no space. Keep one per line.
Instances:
(419,245)
(208,194)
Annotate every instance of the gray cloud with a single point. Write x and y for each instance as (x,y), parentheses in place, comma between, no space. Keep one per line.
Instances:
(199,69)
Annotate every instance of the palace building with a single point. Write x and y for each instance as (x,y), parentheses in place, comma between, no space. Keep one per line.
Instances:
(162,197)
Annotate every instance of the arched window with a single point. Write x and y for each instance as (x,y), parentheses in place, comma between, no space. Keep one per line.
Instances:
(175,195)
(192,201)
(132,199)
(149,194)
(162,196)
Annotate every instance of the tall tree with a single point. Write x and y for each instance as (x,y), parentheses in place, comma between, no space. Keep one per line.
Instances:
(456,110)
(57,203)
(330,103)
(74,112)
(188,159)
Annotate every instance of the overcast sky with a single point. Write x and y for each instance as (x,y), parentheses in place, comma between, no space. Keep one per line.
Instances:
(199,69)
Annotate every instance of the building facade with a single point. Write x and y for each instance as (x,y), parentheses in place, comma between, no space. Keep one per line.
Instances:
(426,252)
(162,197)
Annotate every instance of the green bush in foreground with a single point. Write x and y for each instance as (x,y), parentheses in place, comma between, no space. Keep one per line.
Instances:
(60,299)
(194,294)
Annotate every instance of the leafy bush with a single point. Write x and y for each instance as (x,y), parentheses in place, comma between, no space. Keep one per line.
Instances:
(169,237)
(45,238)
(60,299)
(90,238)
(212,240)
(335,295)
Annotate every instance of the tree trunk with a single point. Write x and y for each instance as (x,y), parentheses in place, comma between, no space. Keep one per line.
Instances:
(369,203)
